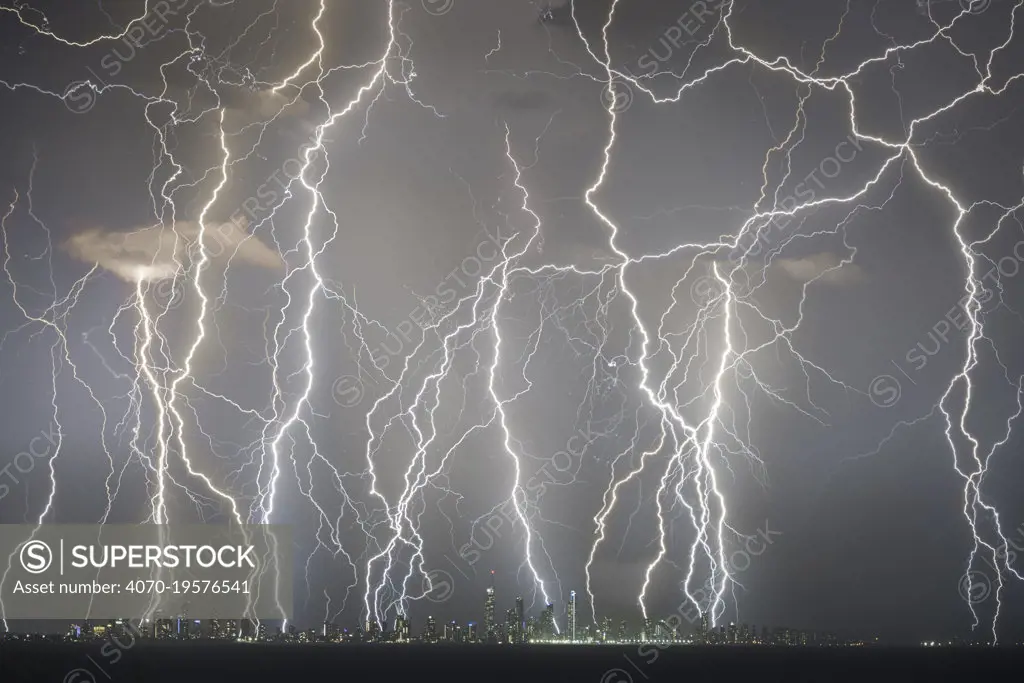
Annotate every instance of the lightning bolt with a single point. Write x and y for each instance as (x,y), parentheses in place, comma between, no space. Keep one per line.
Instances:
(681,378)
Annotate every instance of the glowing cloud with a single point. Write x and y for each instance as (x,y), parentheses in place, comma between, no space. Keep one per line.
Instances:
(823,267)
(154,253)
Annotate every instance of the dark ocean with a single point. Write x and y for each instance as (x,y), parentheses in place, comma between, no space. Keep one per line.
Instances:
(148,662)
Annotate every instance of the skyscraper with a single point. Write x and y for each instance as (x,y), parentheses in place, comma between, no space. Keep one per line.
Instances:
(164,629)
(520,622)
(489,634)
(570,630)
(547,621)
(403,632)
(512,628)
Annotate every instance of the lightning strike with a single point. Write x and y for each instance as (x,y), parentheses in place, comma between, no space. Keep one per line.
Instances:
(692,371)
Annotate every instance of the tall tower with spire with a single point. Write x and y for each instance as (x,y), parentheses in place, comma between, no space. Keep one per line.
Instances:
(571,630)
(489,625)
(520,622)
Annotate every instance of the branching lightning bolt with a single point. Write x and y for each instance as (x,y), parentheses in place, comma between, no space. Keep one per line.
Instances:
(684,384)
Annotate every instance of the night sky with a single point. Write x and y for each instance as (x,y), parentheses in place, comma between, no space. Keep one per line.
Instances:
(598,298)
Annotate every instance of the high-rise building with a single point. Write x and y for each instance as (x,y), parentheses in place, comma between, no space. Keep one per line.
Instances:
(520,622)
(546,628)
(373,633)
(472,636)
(623,633)
(216,630)
(489,625)
(430,632)
(570,630)
(663,632)
(164,629)
(118,628)
(403,631)
(511,629)
(247,629)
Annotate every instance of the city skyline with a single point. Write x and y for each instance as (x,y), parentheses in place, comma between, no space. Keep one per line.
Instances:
(518,628)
